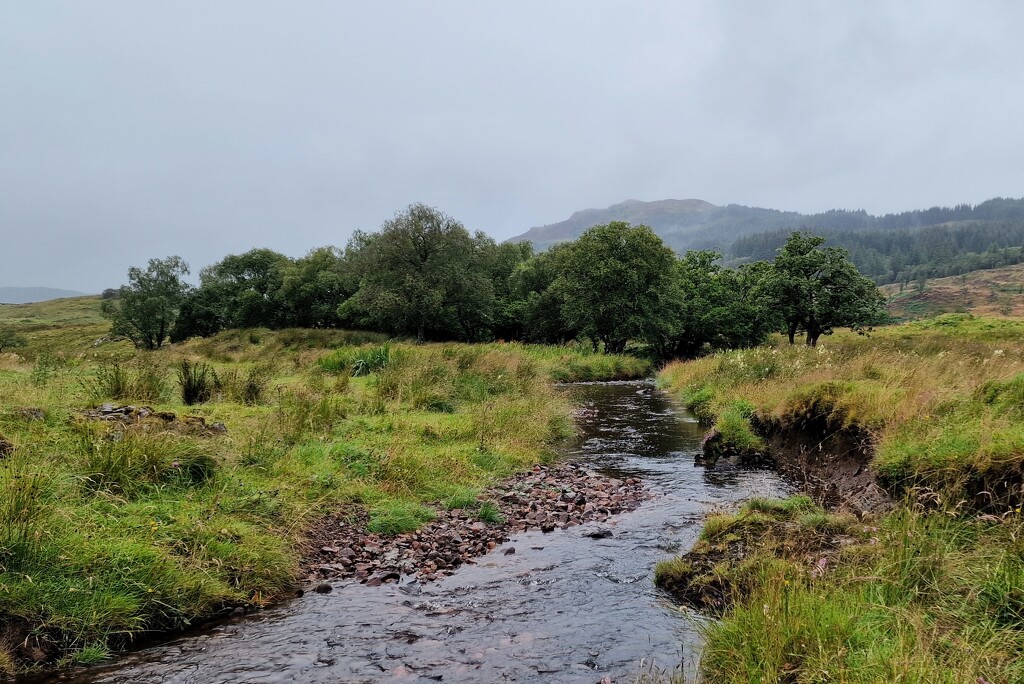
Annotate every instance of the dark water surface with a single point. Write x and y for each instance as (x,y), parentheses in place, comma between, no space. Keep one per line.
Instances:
(562,608)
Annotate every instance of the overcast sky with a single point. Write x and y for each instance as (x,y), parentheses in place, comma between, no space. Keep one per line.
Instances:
(131,130)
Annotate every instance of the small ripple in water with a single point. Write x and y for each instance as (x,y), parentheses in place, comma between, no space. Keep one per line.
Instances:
(563,608)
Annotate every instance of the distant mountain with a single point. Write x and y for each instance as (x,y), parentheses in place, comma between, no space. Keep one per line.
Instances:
(696,224)
(28,295)
(682,224)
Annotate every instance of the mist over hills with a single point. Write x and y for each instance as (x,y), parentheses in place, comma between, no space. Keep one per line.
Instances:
(29,295)
(696,224)
(900,247)
(682,224)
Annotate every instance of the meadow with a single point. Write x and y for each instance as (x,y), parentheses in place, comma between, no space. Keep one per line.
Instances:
(117,523)
(931,590)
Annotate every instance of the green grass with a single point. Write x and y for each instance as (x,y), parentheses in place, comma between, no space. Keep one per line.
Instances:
(928,599)
(930,592)
(108,531)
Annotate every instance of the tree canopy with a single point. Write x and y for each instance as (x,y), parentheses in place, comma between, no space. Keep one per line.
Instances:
(422,275)
(617,285)
(146,308)
(818,289)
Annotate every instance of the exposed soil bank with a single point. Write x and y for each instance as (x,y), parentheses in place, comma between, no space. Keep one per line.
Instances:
(546,498)
(830,464)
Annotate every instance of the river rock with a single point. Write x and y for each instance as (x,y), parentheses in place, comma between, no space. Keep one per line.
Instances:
(546,498)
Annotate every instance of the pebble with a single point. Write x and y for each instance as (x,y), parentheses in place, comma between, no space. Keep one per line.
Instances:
(545,498)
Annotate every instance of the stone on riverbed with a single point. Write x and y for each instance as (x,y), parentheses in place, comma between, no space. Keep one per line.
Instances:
(545,498)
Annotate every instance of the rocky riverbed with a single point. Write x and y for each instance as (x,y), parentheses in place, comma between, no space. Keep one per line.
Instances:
(545,499)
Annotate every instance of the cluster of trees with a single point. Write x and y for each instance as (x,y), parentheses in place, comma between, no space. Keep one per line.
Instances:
(904,256)
(424,275)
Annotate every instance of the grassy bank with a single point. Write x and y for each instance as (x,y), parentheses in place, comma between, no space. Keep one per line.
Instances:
(932,591)
(112,528)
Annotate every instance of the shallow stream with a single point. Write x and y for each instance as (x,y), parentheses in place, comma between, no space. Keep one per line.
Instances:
(563,607)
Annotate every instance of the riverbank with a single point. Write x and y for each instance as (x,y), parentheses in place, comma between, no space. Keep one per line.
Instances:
(116,523)
(546,498)
(912,439)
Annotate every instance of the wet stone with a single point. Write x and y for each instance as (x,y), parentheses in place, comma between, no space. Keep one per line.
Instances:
(545,498)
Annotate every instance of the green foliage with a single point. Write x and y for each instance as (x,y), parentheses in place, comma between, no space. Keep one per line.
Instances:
(616,283)
(10,339)
(141,379)
(21,508)
(397,517)
(817,289)
(940,242)
(357,361)
(734,428)
(922,597)
(461,497)
(423,275)
(147,307)
(197,381)
(248,386)
(490,513)
(127,463)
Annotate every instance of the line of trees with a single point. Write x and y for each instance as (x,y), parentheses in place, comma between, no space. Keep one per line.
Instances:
(904,256)
(424,276)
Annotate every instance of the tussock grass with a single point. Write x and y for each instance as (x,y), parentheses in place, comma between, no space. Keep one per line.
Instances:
(108,530)
(931,592)
(927,598)
(940,398)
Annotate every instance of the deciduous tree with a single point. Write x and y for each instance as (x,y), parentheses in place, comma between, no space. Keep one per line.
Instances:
(147,307)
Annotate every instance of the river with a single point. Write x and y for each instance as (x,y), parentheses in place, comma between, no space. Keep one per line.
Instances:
(563,607)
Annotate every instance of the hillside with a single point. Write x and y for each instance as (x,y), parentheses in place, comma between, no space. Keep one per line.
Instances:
(994,291)
(683,224)
(883,246)
(26,295)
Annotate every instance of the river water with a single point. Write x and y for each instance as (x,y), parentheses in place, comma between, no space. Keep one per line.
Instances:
(563,607)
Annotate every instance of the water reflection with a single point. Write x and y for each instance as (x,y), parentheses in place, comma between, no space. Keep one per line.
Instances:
(562,607)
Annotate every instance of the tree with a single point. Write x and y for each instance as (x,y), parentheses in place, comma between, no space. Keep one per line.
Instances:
(9,339)
(147,307)
(422,274)
(717,308)
(501,263)
(617,285)
(314,286)
(247,288)
(817,289)
(537,302)
(200,315)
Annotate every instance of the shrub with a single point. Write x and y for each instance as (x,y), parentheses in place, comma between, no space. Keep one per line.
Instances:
(10,339)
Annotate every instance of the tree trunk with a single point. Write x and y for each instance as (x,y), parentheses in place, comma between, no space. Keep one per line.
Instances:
(791,329)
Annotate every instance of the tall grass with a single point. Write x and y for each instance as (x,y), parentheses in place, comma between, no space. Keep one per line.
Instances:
(109,530)
(929,599)
(939,398)
(21,508)
(931,592)
(197,382)
(142,379)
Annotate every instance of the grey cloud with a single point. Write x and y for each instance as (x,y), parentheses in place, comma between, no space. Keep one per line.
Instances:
(136,130)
